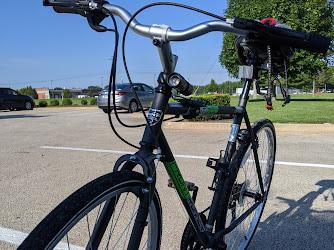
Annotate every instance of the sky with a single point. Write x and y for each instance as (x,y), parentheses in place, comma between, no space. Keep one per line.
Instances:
(42,48)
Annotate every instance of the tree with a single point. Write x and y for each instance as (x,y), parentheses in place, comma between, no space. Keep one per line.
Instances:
(29,91)
(90,94)
(94,88)
(58,88)
(309,16)
(67,93)
(212,87)
(326,77)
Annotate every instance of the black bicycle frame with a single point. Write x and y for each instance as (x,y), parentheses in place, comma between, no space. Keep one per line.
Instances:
(153,138)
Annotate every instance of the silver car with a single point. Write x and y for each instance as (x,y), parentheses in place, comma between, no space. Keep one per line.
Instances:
(125,98)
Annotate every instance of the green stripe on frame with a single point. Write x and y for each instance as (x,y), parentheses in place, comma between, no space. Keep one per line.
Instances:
(178,180)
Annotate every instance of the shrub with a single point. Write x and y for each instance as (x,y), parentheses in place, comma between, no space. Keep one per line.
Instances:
(84,102)
(54,102)
(216,100)
(43,103)
(67,102)
(93,101)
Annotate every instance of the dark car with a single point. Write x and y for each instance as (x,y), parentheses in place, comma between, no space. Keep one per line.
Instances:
(11,99)
(125,98)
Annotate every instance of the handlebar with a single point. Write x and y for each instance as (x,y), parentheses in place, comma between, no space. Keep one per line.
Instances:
(239,26)
(68,6)
(283,36)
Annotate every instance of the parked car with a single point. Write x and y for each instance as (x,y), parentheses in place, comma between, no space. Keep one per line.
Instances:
(11,99)
(125,98)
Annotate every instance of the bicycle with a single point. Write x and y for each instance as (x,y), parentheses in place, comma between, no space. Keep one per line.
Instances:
(125,203)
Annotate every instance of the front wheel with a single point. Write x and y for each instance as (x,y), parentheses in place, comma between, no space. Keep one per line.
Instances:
(242,189)
(28,105)
(99,215)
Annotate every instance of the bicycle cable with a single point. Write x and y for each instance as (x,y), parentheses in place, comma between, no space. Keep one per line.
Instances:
(112,78)
(124,59)
(112,81)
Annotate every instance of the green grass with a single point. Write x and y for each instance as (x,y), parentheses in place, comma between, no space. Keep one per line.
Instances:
(75,101)
(302,109)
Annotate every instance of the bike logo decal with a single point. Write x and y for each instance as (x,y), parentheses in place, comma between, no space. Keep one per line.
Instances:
(178,180)
(196,215)
(209,110)
(212,109)
(154,116)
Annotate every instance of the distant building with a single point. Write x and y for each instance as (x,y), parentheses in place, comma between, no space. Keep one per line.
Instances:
(56,93)
(46,93)
(43,93)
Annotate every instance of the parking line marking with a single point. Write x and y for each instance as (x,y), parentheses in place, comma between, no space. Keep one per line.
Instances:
(89,150)
(12,236)
(299,164)
(16,238)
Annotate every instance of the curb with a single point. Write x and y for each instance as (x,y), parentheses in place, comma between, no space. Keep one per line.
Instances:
(226,127)
(66,108)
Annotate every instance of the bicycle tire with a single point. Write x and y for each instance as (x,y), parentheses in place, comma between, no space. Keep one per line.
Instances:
(242,178)
(85,206)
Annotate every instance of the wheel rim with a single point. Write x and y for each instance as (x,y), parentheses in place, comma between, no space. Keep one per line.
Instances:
(133,106)
(27,105)
(82,225)
(247,182)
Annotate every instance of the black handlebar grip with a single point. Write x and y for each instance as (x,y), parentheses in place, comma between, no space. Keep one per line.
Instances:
(313,42)
(70,10)
(65,6)
(282,36)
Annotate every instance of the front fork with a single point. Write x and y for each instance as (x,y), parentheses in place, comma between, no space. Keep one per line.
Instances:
(223,164)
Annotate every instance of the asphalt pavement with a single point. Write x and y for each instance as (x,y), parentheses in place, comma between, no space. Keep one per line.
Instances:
(46,154)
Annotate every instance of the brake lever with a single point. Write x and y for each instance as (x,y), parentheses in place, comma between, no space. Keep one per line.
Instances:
(93,25)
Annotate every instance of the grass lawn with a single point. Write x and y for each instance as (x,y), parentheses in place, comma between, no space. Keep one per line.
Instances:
(302,109)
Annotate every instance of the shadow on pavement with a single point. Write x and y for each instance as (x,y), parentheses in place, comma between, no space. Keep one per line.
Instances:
(303,225)
(19,116)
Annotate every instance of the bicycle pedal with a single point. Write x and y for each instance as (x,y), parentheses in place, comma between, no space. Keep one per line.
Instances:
(212,189)
(191,186)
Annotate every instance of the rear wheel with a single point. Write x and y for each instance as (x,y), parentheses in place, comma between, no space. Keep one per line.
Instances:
(105,208)
(133,106)
(242,189)
(106,110)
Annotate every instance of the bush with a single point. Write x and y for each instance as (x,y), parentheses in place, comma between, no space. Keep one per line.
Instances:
(84,102)
(43,103)
(54,102)
(93,101)
(67,102)
(215,100)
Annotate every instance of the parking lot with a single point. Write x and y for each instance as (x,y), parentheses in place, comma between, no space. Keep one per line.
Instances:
(46,154)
